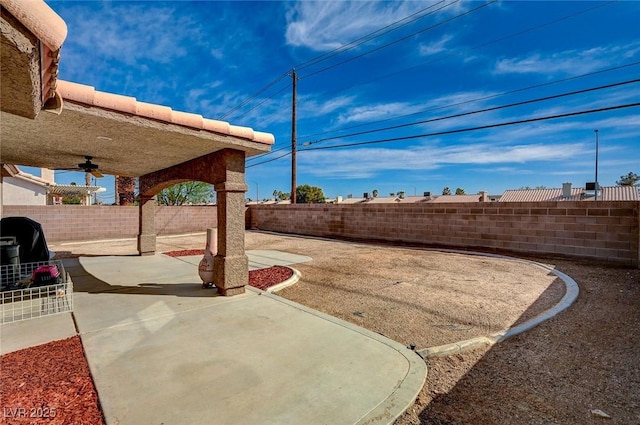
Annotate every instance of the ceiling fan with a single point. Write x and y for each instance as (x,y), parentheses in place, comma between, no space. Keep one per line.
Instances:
(87,167)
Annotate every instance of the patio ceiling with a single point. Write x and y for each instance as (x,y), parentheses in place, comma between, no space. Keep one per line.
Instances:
(121,144)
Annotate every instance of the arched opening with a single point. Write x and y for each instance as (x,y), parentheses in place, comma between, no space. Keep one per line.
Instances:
(223,169)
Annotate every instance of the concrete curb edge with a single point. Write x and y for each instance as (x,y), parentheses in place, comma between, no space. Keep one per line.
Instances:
(292,280)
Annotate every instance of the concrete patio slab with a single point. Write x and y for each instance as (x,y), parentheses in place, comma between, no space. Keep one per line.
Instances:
(163,350)
(28,333)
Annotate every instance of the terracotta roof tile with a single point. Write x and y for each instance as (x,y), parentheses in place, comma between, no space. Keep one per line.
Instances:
(115,102)
(187,119)
(40,19)
(80,93)
(155,112)
(216,126)
(455,199)
(607,193)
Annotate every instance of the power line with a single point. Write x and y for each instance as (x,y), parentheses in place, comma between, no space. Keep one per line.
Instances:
(336,51)
(270,160)
(268,153)
(368,37)
(461,130)
(483,127)
(464,102)
(448,55)
(267,98)
(252,97)
(469,112)
(446,21)
(494,108)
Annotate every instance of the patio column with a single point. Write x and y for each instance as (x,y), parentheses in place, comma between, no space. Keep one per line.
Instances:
(147,225)
(231,265)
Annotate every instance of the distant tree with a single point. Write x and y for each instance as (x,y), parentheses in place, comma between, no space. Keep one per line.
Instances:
(281,196)
(125,190)
(71,200)
(392,194)
(541,187)
(629,180)
(401,194)
(446,191)
(306,194)
(375,193)
(192,192)
(459,191)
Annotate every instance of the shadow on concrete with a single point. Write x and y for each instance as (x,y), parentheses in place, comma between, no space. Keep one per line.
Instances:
(84,281)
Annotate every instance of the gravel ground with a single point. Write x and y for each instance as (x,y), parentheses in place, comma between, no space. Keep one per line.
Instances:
(584,360)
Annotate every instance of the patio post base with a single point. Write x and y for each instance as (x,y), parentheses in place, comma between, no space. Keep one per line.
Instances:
(231,274)
(231,291)
(147,244)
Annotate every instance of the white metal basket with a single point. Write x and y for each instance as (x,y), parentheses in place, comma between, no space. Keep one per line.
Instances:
(21,301)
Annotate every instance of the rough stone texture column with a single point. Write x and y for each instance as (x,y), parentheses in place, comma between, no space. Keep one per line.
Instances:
(147,234)
(1,201)
(231,265)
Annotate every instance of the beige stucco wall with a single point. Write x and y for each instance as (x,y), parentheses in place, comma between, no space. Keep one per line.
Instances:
(20,192)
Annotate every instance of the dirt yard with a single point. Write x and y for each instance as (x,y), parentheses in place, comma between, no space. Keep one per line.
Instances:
(573,368)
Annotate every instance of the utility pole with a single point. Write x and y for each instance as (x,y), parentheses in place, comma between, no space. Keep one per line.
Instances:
(597,185)
(293,137)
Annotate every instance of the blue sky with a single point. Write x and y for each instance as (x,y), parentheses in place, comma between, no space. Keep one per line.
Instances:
(365,66)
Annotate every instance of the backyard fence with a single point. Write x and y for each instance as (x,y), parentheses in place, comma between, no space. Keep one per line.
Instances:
(65,223)
(605,231)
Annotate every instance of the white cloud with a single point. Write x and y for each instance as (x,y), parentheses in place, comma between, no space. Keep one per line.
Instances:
(434,47)
(570,62)
(130,33)
(327,25)
(316,107)
(377,112)
(367,162)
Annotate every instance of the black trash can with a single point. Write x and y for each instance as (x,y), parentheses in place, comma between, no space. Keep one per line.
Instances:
(9,265)
(9,254)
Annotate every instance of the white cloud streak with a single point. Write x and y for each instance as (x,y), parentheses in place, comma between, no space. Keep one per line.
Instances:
(435,47)
(568,62)
(327,25)
(371,161)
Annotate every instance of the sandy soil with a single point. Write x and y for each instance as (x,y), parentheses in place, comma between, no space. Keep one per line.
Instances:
(419,297)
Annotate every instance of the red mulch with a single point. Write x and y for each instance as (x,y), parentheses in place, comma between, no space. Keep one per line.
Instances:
(266,278)
(48,384)
(261,279)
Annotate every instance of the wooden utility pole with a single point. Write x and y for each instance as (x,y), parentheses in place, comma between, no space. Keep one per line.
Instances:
(293,138)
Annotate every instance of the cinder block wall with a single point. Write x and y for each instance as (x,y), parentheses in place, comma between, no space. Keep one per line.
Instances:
(607,231)
(64,223)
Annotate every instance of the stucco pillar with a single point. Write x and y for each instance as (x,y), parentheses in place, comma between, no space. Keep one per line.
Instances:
(231,265)
(147,223)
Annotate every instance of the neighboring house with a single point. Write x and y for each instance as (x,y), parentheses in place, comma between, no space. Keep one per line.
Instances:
(569,193)
(426,198)
(20,188)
